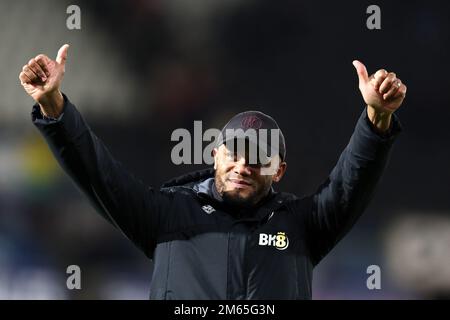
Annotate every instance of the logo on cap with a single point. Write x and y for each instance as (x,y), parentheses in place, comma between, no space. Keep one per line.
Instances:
(252,122)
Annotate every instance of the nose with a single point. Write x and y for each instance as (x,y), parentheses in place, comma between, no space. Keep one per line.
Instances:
(241,167)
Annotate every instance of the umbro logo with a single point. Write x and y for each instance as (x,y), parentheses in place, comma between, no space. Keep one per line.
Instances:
(208,209)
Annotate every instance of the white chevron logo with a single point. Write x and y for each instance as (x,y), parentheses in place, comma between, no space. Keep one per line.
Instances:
(208,209)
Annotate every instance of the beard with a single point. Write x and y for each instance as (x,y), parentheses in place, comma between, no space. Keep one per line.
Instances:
(236,199)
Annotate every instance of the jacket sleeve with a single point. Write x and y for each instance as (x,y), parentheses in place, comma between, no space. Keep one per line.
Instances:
(124,201)
(344,195)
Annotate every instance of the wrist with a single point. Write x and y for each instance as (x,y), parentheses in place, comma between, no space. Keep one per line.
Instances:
(381,120)
(52,104)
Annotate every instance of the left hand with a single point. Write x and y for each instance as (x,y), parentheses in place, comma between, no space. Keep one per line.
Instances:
(382,91)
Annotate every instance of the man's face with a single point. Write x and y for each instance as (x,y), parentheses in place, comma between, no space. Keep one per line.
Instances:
(241,183)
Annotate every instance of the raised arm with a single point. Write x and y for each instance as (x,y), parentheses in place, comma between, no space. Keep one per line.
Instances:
(119,197)
(342,198)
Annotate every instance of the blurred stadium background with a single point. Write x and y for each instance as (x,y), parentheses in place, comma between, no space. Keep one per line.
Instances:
(139,69)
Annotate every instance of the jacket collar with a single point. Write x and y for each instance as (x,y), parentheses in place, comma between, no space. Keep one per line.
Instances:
(202,184)
(206,189)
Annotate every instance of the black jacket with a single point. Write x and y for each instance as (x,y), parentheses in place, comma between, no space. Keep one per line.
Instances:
(203,249)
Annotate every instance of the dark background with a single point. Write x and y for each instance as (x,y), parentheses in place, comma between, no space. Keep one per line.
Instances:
(140,69)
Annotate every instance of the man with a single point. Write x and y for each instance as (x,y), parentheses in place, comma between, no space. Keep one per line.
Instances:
(223,233)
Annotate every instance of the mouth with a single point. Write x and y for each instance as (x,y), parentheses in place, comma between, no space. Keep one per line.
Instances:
(240,183)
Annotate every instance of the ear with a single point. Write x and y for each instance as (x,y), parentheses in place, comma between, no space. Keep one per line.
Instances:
(280,172)
(214,152)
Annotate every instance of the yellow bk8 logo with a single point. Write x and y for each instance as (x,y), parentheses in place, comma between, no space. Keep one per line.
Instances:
(279,240)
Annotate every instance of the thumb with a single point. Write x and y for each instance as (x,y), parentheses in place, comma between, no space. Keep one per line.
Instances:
(362,72)
(62,54)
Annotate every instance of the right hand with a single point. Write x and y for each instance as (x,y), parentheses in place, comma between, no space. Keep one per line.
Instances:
(41,78)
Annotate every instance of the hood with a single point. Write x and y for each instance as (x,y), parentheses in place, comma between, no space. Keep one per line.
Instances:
(190,179)
(201,182)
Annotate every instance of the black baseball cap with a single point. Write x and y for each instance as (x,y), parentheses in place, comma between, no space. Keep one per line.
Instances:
(258,128)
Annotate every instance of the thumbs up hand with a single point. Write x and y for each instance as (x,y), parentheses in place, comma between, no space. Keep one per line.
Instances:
(382,91)
(41,78)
